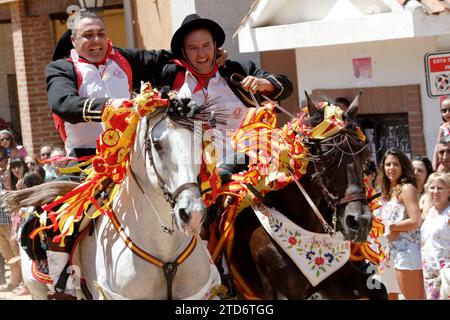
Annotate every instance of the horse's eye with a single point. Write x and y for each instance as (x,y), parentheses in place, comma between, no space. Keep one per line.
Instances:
(157,145)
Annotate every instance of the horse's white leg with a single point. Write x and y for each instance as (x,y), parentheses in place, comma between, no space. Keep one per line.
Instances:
(90,250)
(37,289)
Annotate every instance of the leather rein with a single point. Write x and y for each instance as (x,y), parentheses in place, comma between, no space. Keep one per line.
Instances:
(332,200)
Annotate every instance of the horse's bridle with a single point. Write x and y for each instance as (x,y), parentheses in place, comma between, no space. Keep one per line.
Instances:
(333,201)
(171,197)
(169,268)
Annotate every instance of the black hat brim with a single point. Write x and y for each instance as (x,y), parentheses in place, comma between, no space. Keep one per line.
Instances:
(63,46)
(178,38)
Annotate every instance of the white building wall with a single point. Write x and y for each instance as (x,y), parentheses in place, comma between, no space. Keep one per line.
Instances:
(394,63)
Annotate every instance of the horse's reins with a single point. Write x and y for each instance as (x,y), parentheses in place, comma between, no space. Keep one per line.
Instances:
(328,229)
(333,201)
(169,268)
(236,79)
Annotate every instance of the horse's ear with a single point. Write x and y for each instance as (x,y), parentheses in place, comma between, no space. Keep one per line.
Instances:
(312,109)
(353,108)
(164,92)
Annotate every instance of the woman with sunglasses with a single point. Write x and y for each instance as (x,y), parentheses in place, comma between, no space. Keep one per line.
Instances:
(8,142)
(34,164)
(13,179)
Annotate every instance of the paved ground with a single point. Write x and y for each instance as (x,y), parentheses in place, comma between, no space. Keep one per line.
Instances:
(10,295)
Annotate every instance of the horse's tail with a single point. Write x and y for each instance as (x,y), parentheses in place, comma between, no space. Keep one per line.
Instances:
(36,196)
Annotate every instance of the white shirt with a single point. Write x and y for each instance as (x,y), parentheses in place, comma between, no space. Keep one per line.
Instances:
(227,102)
(106,81)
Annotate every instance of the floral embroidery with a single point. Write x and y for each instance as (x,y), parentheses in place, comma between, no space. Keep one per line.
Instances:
(308,255)
(329,256)
(293,241)
(322,255)
(319,261)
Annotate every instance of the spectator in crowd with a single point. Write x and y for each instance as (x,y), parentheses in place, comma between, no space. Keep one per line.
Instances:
(443,154)
(422,170)
(402,217)
(3,165)
(33,164)
(8,142)
(58,160)
(387,273)
(7,250)
(444,129)
(31,179)
(342,103)
(435,238)
(13,179)
(44,154)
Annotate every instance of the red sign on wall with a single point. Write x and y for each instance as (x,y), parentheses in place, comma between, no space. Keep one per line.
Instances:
(437,71)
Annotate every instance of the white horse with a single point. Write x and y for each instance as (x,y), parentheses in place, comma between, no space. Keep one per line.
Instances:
(159,208)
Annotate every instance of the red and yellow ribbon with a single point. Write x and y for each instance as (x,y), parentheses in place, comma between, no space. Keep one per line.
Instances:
(111,161)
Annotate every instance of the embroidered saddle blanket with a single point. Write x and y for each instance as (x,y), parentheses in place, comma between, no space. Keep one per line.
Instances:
(317,255)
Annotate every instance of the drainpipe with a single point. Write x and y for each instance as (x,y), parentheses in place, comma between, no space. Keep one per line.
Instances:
(129,26)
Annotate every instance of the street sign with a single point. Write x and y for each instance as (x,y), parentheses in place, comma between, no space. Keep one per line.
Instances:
(437,72)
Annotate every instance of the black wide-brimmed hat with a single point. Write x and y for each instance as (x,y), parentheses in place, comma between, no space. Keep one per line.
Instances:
(194,22)
(63,46)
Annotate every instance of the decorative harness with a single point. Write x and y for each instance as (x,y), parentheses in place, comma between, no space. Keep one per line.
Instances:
(169,268)
(332,200)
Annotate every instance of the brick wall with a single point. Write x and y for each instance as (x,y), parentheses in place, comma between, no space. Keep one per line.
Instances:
(33,48)
(384,100)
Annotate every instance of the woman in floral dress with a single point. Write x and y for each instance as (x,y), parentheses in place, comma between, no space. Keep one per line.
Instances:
(402,217)
(435,238)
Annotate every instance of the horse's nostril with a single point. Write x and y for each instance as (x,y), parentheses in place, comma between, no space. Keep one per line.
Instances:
(352,223)
(183,215)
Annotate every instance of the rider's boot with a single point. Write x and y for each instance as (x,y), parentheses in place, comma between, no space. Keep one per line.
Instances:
(57,262)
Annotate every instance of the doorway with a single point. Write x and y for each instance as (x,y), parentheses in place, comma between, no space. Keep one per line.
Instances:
(384,132)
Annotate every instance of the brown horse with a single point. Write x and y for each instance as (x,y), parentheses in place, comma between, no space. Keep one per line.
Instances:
(334,183)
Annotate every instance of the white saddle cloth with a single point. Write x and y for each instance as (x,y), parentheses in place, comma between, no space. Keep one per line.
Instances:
(317,255)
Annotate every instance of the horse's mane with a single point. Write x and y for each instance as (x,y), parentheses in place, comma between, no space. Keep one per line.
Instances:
(187,114)
(36,196)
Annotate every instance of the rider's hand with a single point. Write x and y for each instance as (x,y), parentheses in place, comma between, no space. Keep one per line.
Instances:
(255,84)
(222,56)
(116,103)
